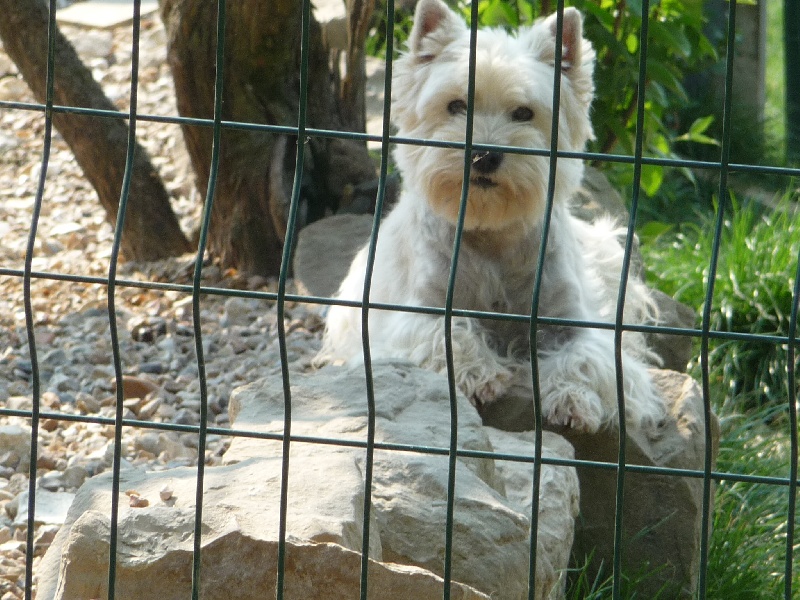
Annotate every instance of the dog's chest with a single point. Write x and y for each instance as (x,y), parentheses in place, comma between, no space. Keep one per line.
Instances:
(495,272)
(496,282)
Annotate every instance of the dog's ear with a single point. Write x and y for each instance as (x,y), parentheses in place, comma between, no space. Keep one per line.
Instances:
(571,38)
(435,26)
(577,67)
(577,54)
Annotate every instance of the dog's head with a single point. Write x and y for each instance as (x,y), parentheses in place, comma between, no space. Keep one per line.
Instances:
(513,106)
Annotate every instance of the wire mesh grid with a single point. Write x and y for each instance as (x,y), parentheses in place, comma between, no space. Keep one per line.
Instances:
(197,292)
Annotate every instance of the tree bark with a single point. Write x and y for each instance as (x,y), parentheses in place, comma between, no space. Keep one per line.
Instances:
(99,144)
(353,100)
(261,85)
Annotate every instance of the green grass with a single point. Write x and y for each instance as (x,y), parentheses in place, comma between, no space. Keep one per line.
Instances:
(752,294)
(582,587)
(748,545)
(757,266)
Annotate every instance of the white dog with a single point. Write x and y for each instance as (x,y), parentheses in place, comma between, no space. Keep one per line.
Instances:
(513,106)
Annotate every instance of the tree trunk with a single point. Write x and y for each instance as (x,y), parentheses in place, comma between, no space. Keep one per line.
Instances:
(353,100)
(99,144)
(261,85)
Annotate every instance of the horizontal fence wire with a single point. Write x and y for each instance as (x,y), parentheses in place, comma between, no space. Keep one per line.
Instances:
(412,448)
(198,292)
(312,132)
(429,310)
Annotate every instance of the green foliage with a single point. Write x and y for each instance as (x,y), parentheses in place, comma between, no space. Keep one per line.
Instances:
(376,41)
(752,293)
(677,47)
(752,138)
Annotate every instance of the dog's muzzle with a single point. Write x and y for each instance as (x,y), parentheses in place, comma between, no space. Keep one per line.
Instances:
(483,182)
(485,163)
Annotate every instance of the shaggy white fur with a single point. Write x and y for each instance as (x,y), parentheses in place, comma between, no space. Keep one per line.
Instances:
(505,207)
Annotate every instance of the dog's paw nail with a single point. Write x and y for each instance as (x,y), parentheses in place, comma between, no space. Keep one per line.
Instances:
(487,393)
(581,414)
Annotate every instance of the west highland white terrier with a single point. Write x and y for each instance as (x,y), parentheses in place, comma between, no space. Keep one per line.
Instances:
(503,223)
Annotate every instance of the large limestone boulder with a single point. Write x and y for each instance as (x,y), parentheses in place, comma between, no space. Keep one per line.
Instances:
(666,508)
(662,513)
(491,520)
(491,525)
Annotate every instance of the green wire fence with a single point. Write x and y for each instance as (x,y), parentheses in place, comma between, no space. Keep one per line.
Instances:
(197,291)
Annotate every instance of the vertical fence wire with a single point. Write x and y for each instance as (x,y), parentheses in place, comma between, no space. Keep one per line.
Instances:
(536,297)
(791,46)
(291,225)
(791,380)
(448,306)
(28,300)
(373,243)
(705,526)
(112,313)
(619,509)
(196,313)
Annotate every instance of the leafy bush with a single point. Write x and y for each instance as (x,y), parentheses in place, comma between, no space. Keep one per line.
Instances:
(752,293)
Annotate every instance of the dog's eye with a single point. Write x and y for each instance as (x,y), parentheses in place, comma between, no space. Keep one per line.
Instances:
(457,107)
(522,113)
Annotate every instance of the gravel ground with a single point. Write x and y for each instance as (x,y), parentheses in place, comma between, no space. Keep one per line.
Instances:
(71,319)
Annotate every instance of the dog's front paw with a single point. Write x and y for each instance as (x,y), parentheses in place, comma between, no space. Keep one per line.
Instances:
(489,391)
(578,408)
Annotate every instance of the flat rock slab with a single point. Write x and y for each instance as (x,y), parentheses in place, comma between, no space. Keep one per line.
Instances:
(102,14)
(50,508)
(239,548)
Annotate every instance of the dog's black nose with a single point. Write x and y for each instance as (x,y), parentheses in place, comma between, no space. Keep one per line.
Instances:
(486,162)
